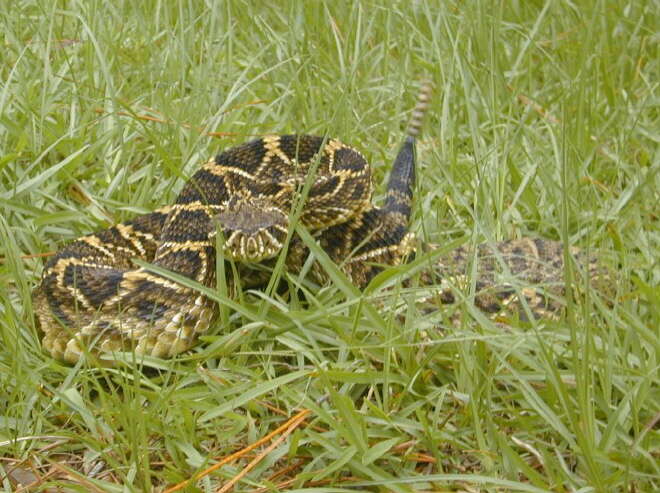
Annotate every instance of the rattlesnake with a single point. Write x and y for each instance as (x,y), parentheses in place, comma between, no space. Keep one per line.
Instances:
(92,297)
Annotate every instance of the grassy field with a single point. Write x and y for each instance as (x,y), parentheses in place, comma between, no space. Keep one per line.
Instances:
(544,123)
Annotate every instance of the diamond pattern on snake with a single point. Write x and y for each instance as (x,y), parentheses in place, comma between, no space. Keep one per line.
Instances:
(93,298)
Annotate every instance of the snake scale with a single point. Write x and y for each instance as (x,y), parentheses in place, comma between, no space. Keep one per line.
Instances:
(92,297)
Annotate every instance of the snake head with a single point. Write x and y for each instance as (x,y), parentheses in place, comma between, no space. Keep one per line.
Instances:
(253,229)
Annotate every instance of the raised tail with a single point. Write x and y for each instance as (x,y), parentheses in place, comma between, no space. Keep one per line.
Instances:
(379,236)
(417,117)
(402,177)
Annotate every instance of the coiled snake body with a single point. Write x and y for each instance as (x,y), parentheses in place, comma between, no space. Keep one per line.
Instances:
(92,295)
(92,298)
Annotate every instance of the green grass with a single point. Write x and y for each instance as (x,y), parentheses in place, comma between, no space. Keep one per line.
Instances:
(545,123)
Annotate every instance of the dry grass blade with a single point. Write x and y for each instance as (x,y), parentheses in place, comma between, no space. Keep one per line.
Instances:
(293,423)
(287,427)
(543,123)
(200,130)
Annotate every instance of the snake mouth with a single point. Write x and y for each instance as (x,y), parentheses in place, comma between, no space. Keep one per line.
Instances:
(253,231)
